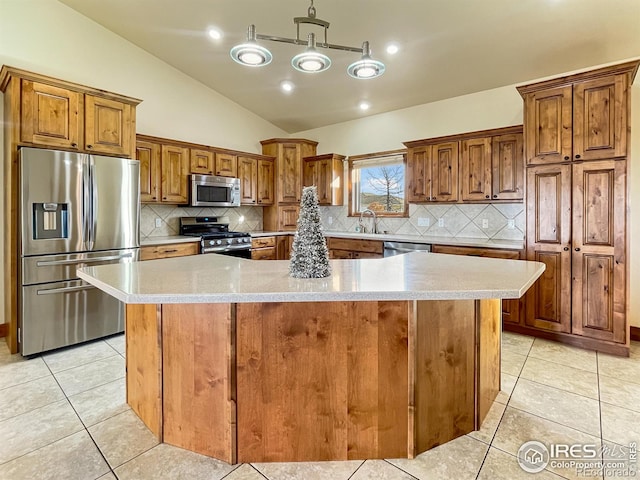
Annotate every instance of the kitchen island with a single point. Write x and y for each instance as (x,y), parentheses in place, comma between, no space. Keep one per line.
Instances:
(386,358)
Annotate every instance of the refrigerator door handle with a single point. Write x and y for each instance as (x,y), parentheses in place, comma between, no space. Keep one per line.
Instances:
(92,209)
(74,261)
(86,201)
(55,291)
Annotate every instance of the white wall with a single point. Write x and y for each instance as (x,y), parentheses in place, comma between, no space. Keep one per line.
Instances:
(499,107)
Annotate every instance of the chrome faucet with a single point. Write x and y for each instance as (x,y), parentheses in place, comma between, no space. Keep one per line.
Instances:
(374,229)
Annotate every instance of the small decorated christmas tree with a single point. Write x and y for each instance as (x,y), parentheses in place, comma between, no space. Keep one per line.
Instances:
(309,254)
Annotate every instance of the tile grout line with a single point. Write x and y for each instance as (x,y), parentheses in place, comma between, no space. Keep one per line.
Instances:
(395,466)
(354,472)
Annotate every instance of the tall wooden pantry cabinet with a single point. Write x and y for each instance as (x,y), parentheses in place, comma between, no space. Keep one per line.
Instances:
(577,141)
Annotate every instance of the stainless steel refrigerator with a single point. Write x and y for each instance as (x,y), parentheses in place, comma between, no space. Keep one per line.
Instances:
(76,210)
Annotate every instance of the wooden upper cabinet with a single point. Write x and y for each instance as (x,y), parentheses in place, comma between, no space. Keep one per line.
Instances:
(549,241)
(226,165)
(418,168)
(600,118)
(248,175)
(326,172)
(548,125)
(174,169)
(109,126)
(599,253)
(148,153)
(475,169)
(288,217)
(444,172)
(201,161)
(265,181)
(508,167)
(51,116)
(289,174)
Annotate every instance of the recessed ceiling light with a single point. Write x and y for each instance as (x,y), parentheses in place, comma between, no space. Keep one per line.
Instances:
(214,33)
(286,86)
(392,49)
(364,106)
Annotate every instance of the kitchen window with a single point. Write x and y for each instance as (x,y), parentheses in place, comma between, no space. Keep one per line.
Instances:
(377,182)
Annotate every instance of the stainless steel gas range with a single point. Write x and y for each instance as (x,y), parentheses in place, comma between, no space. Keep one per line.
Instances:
(215,236)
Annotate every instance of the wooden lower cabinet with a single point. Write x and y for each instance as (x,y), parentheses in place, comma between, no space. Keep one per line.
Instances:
(512,310)
(283,246)
(263,248)
(287,382)
(167,251)
(354,248)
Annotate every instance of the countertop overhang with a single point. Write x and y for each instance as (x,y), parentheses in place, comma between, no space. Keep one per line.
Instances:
(225,279)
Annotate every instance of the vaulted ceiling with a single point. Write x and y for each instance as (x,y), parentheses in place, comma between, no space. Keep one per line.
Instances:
(447,47)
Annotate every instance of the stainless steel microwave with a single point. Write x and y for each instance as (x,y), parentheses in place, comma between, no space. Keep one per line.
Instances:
(212,191)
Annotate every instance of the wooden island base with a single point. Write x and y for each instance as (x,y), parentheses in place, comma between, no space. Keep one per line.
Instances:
(286,382)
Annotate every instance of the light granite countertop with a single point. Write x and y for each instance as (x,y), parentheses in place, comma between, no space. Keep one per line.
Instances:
(225,279)
(432,240)
(151,241)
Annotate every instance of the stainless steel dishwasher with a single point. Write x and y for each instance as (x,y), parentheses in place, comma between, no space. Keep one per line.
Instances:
(398,248)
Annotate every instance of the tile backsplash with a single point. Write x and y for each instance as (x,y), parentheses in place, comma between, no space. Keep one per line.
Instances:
(503,221)
(245,219)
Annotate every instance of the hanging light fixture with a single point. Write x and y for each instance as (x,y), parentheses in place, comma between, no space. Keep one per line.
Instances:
(366,67)
(250,53)
(310,61)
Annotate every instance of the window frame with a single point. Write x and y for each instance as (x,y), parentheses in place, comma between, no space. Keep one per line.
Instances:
(356,158)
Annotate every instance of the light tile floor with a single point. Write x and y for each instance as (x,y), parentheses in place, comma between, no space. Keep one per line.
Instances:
(63,416)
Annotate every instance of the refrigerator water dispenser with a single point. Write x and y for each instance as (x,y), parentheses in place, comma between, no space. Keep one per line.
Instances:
(50,221)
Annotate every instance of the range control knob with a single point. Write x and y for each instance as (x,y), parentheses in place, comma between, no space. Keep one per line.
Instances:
(211,242)
(219,242)
(229,241)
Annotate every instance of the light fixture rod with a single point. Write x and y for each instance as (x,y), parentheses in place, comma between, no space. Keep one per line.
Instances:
(296,41)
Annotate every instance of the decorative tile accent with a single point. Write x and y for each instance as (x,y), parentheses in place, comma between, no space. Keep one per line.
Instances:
(455,220)
(496,221)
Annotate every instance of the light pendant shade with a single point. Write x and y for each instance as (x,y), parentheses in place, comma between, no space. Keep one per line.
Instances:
(366,67)
(250,53)
(311,61)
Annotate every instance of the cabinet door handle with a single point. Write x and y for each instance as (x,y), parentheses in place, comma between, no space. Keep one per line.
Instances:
(578,156)
(495,196)
(170,251)
(577,249)
(74,145)
(434,198)
(486,196)
(566,249)
(89,147)
(566,157)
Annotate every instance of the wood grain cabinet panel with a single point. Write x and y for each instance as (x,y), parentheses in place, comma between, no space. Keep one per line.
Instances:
(289,173)
(201,161)
(475,169)
(326,173)
(444,172)
(265,181)
(418,168)
(549,242)
(226,165)
(599,258)
(148,154)
(109,126)
(548,125)
(248,175)
(154,252)
(600,118)
(289,217)
(174,168)
(51,116)
(507,167)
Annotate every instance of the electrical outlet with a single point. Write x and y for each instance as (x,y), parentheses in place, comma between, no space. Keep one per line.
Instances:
(511,224)
(423,221)
(441,222)
(485,223)
(330,220)
(158,222)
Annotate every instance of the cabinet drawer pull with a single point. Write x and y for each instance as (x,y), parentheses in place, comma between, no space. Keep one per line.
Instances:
(578,156)
(566,249)
(577,249)
(566,157)
(495,196)
(174,250)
